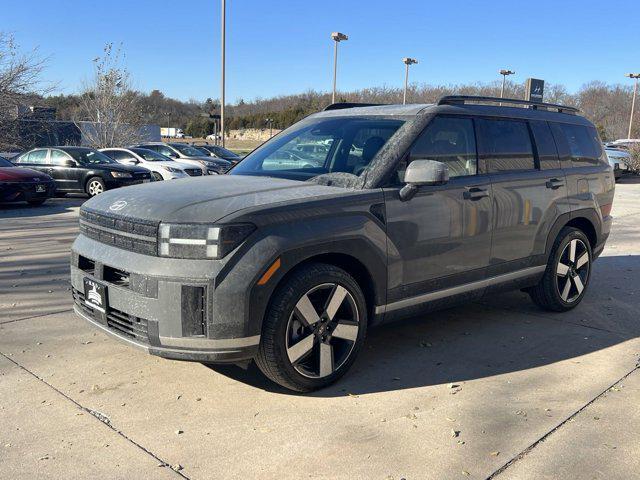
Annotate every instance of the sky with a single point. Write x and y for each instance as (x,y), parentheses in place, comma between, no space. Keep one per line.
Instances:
(281,47)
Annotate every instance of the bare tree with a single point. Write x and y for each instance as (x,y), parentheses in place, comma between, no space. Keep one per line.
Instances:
(19,84)
(109,113)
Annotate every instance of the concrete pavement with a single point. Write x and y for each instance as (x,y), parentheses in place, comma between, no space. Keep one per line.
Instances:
(496,389)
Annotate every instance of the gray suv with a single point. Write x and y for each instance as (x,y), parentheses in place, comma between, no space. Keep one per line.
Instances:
(411,208)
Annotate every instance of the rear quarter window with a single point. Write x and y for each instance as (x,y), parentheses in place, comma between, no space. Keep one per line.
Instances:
(581,143)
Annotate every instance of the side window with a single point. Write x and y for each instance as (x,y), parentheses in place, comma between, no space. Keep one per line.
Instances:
(38,157)
(582,143)
(545,145)
(448,140)
(58,157)
(117,154)
(505,145)
(164,151)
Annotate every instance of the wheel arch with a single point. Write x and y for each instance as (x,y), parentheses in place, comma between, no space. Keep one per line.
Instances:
(585,220)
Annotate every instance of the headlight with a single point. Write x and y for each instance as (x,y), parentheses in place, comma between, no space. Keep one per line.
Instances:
(201,241)
(172,169)
(120,174)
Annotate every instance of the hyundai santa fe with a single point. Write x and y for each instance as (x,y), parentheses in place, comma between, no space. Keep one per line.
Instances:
(412,208)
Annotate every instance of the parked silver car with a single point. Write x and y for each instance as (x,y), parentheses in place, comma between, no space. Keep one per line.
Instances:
(161,167)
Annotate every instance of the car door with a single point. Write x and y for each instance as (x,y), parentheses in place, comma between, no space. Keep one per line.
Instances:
(529,190)
(65,171)
(440,238)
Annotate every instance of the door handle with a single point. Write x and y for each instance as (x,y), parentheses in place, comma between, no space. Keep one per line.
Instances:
(554,183)
(475,193)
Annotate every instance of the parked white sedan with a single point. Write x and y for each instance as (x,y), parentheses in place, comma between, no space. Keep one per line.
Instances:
(161,167)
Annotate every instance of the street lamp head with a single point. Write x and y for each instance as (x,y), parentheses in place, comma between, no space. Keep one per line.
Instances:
(632,75)
(409,61)
(338,37)
(506,72)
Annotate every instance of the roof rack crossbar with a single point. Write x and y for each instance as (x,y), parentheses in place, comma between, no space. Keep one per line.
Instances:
(343,105)
(462,99)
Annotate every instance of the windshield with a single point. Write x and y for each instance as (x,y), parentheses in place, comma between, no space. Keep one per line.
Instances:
(150,155)
(318,146)
(88,156)
(188,150)
(222,152)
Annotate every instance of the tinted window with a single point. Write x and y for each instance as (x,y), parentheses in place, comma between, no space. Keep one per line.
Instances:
(505,145)
(582,143)
(58,157)
(545,145)
(450,141)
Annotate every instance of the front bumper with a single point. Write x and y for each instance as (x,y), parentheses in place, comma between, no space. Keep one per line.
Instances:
(149,311)
(25,191)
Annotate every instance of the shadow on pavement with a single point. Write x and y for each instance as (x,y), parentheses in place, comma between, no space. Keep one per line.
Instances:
(498,335)
(52,206)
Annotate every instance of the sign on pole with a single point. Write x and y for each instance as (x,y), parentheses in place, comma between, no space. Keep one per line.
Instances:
(534,90)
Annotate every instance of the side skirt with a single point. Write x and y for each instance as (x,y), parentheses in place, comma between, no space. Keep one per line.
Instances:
(467,288)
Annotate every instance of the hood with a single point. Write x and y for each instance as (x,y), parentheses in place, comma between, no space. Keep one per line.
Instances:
(202,199)
(19,174)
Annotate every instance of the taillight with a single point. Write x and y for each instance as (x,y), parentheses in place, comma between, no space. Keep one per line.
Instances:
(606,209)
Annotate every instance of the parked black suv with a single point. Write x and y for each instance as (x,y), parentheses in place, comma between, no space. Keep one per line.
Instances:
(82,170)
(411,208)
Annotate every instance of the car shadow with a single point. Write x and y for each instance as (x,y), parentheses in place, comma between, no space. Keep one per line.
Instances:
(53,206)
(500,334)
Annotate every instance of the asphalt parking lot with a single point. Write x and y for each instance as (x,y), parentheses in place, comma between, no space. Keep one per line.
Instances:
(496,389)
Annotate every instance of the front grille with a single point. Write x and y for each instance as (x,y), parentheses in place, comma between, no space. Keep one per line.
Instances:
(193,172)
(129,234)
(126,325)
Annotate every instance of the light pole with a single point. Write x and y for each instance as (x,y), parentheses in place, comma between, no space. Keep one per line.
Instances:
(504,74)
(337,38)
(407,61)
(634,76)
(223,72)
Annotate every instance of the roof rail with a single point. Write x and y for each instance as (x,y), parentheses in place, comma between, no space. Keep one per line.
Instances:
(342,105)
(463,99)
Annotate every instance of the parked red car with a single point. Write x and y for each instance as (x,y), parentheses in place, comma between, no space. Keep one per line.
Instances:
(19,184)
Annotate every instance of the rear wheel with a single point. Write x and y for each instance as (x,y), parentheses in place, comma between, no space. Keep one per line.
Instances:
(95,186)
(314,329)
(568,272)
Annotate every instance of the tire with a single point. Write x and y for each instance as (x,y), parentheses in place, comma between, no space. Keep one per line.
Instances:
(37,202)
(299,348)
(95,186)
(156,177)
(566,278)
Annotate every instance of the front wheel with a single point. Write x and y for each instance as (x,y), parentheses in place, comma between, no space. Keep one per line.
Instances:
(156,177)
(568,272)
(95,186)
(314,329)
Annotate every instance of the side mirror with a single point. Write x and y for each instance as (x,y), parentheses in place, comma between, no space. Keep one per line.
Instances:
(67,162)
(423,172)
